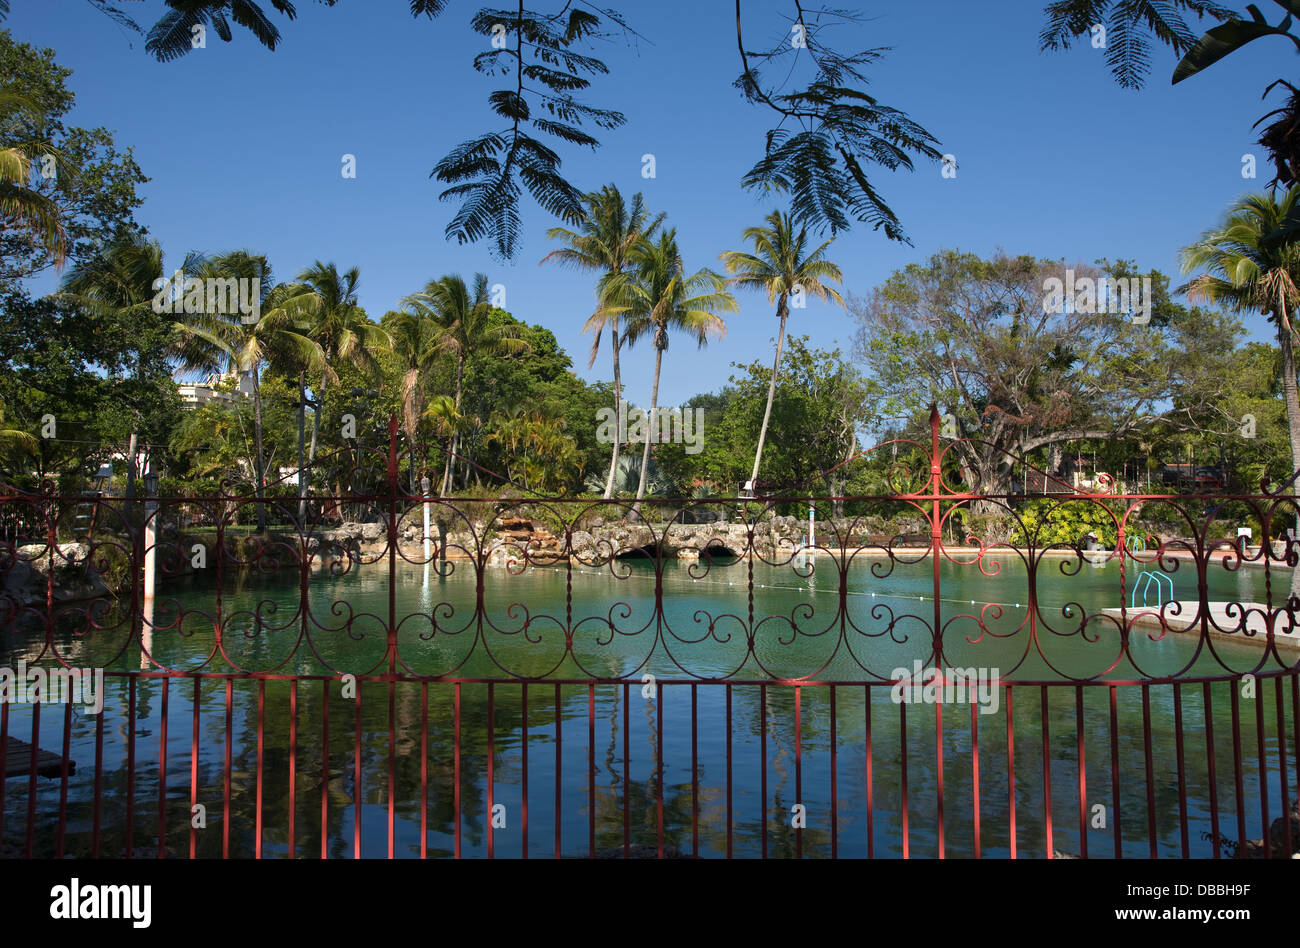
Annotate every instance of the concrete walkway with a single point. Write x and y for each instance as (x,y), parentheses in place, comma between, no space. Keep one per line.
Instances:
(1287,635)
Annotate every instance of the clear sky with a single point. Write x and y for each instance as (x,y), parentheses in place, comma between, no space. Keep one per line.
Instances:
(244,148)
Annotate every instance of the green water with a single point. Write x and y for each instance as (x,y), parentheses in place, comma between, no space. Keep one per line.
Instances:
(798,631)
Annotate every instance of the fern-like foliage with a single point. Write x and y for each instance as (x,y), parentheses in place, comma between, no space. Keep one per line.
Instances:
(1130,27)
(172,36)
(489,174)
(837,128)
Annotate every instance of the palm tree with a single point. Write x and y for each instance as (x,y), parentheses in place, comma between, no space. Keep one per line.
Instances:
(464,326)
(1248,273)
(323,305)
(224,342)
(118,283)
(658,296)
(779,264)
(15,443)
(608,232)
(415,345)
(23,207)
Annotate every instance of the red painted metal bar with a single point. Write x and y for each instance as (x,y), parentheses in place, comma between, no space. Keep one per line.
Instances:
(1281,769)
(975,774)
(293,767)
(523,748)
(130,767)
(730,822)
(798,767)
(1151,780)
(659,769)
(902,757)
(695,776)
(1011,774)
(762,759)
(1239,794)
(63,780)
(523,745)
(866,720)
(356,776)
(424,769)
(324,765)
(194,768)
(99,785)
(392,767)
(162,771)
(1263,769)
(1114,773)
(938,773)
(33,768)
(225,813)
(456,765)
(261,759)
(627,785)
(1182,769)
(835,800)
(591,771)
(1211,776)
(1081,757)
(1047,772)
(559,741)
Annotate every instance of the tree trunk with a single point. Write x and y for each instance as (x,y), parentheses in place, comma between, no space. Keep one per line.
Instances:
(650,427)
(315,429)
(132,448)
(257,447)
(1292,416)
(455,434)
(782,312)
(618,415)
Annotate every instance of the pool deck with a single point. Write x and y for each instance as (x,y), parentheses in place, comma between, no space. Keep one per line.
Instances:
(1287,635)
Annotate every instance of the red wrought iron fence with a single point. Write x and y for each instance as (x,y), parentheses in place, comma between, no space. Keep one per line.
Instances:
(402,675)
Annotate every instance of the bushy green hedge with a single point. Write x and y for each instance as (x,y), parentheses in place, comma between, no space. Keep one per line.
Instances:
(1050,521)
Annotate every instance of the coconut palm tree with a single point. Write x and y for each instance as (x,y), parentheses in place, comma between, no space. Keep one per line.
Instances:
(225,342)
(603,244)
(464,325)
(1248,273)
(23,207)
(415,346)
(780,266)
(323,305)
(659,296)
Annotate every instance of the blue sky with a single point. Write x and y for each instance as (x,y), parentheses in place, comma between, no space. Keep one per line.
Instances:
(244,149)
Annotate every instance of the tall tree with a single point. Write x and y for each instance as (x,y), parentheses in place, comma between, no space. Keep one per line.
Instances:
(659,296)
(603,244)
(780,266)
(117,288)
(1247,273)
(65,191)
(984,341)
(223,341)
(323,305)
(464,327)
(414,338)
